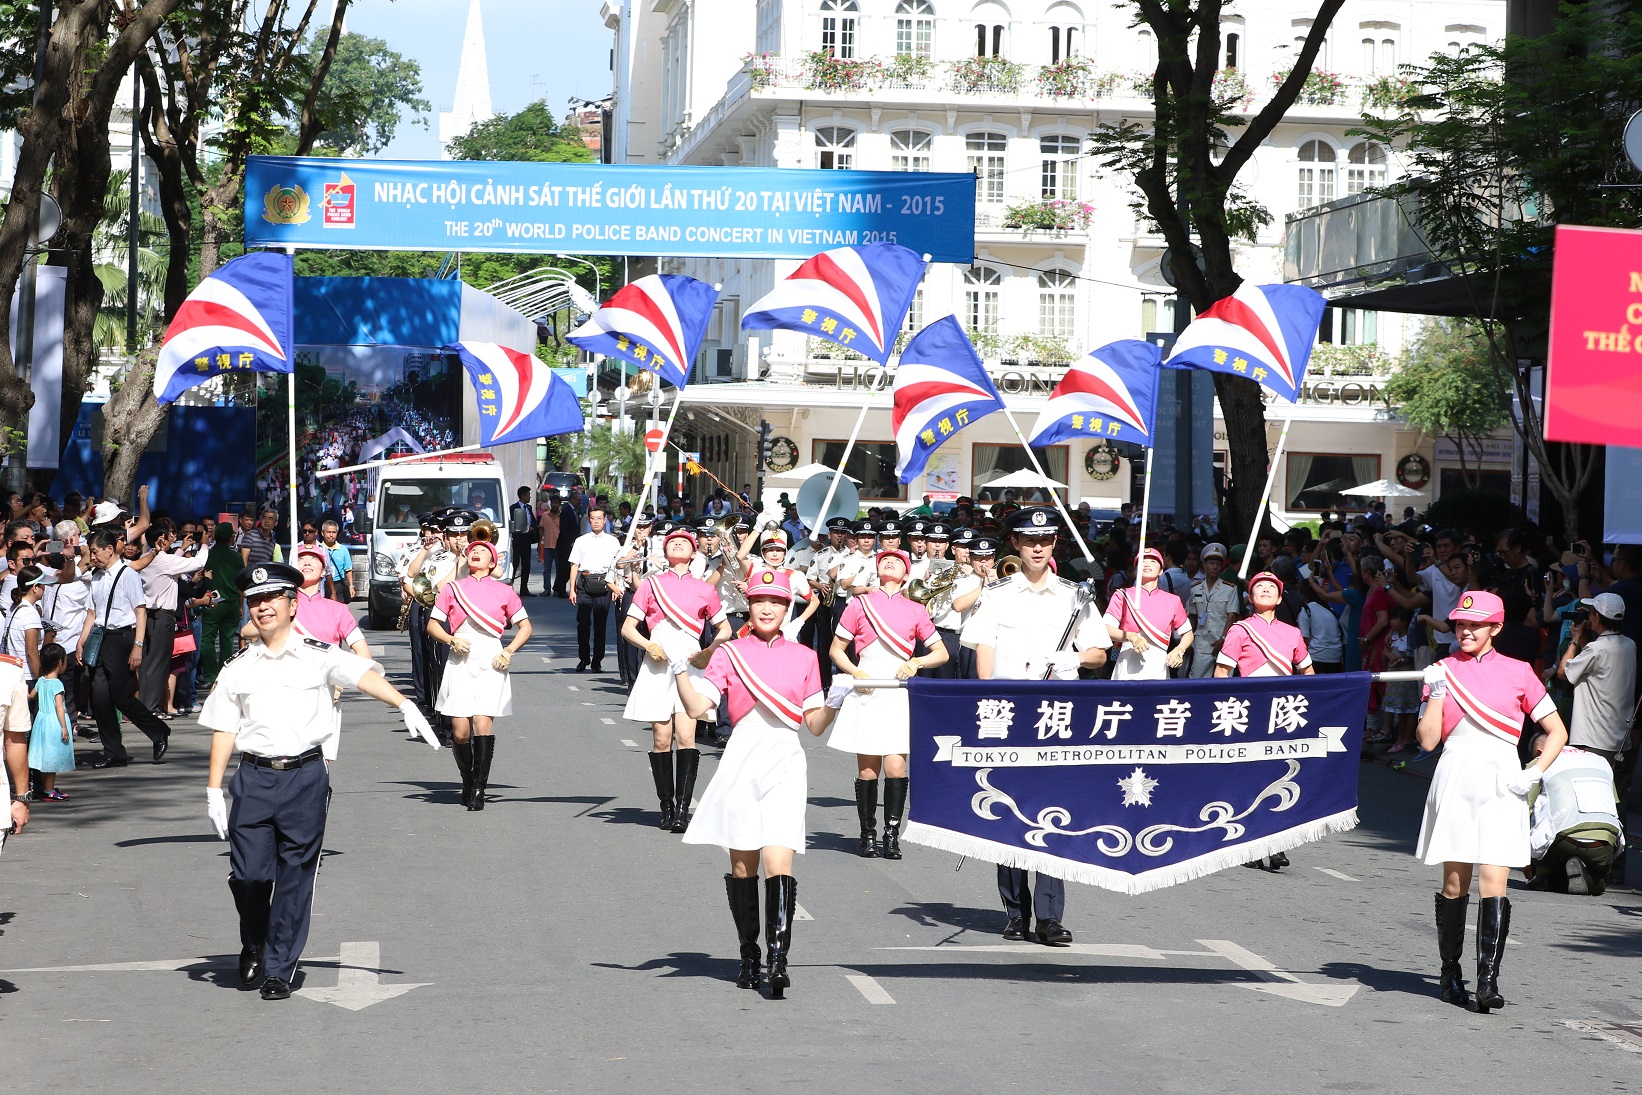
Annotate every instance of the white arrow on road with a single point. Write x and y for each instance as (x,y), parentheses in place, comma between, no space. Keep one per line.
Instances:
(358,980)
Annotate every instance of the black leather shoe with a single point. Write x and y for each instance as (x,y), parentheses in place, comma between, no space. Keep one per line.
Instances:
(250,966)
(1053,933)
(1279,861)
(276,989)
(111,762)
(598,668)
(581,667)
(162,747)
(1015,930)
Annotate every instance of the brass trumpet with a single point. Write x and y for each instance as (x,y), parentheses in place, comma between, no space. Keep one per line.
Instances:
(935,591)
(482,530)
(1009,566)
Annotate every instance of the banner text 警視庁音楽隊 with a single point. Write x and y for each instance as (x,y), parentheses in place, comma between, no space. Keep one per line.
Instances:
(608,209)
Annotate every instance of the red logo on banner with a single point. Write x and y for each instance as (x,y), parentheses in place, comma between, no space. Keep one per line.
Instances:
(1593,370)
(339,204)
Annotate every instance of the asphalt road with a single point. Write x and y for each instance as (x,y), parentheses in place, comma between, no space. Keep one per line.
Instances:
(559,942)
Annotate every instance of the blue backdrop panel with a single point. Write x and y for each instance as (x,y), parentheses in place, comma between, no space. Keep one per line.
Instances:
(602,209)
(202,463)
(377,311)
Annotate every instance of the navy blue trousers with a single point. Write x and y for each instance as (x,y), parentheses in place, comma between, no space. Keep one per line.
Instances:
(276,829)
(1046,900)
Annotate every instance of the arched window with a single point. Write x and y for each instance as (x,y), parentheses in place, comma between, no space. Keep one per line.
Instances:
(986,161)
(1147,53)
(981,287)
(1370,65)
(1060,166)
(989,40)
(914,28)
(909,150)
(1388,56)
(1316,174)
(1234,49)
(1057,304)
(838,27)
(1365,167)
(834,148)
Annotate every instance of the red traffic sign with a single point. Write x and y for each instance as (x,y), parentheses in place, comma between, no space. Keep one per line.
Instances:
(652,440)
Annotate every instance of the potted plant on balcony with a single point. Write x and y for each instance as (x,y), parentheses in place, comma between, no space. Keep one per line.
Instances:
(908,70)
(825,72)
(994,74)
(986,343)
(1322,88)
(760,69)
(1070,79)
(1230,87)
(1057,214)
(1388,92)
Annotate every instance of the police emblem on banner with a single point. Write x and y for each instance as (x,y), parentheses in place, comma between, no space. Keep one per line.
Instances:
(285,205)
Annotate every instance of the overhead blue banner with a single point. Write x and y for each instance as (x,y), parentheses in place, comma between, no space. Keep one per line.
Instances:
(1134,785)
(602,209)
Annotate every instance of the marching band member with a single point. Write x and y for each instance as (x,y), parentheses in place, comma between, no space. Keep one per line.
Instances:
(1477,809)
(1014,632)
(1146,620)
(918,547)
(859,571)
(318,616)
(420,562)
(821,571)
(754,806)
(274,702)
(1264,646)
(773,553)
(675,607)
(631,568)
(875,639)
(957,609)
(470,617)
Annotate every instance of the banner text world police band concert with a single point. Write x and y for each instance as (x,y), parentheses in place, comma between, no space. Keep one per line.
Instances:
(603,209)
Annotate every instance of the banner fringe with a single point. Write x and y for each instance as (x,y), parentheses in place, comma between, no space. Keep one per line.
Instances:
(1121,881)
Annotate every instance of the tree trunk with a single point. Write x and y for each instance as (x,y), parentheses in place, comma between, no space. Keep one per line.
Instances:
(130,419)
(1244,414)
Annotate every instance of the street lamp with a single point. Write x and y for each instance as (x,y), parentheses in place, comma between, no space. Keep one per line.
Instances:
(598,293)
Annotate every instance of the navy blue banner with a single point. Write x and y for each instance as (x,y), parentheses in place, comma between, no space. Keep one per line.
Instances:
(602,209)
(1134,785)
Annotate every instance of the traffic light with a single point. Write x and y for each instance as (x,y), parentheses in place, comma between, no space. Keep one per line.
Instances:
(766,446)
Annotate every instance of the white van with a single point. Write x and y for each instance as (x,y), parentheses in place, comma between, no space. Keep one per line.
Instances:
(409,488)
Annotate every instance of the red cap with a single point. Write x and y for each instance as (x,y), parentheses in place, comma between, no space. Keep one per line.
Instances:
(767,582)
(897,553)
(681,532)
(1479,606)
(315,550)
(488,546)
(1153,553)
(1266,576)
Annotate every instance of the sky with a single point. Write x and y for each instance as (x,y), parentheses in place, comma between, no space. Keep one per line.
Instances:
(537,49)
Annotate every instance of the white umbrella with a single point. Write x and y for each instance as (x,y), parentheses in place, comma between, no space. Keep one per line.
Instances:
(1024,479)
(803,473)
(1383,488)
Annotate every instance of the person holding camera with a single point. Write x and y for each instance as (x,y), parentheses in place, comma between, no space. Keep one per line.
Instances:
(592,558)
(1600,664)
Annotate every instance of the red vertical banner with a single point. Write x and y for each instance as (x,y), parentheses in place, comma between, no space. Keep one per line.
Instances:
(1593,369)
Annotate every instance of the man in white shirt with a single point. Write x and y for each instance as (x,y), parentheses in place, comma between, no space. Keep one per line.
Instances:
(159,568)
(1600,663)
(118,608)
(64,608)
(1212,605)
(591,559)
(14,742)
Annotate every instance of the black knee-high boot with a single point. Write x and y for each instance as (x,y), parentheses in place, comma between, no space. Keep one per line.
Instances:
(866,808)
(743,895)
(484,748)
(895,805)
(688,761)
(1451,946)
(661,770)
(781,901)
(1493,925)
(463,752)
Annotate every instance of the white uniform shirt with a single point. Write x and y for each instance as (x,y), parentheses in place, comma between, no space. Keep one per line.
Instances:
(282,705)
(66,604)
(159,578)
(19,622)
(1022,626)
(595,552)
(950,618)
(1444,596)
(122,584)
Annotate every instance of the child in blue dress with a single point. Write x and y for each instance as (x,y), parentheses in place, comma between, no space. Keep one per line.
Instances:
(51,750)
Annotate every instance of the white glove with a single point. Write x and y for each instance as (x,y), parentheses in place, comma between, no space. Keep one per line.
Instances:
(1524,781)
(417,724)
(216,808)
(1435,675)
(1064,661)
(839,692)
(678,665)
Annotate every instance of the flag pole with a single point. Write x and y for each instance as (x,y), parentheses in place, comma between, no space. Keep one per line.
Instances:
(1145,512)
(290,427)
(651,476)
(849,446)
(1265,496)
(1060,504)
(328,472)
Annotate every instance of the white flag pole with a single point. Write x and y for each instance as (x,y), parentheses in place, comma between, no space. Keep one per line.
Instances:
(1145,513)
(290,430)
(649,474)
(849,447)
(1265,496)
(1071,529)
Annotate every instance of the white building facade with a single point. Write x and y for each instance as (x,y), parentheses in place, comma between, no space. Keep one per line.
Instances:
(1011,92)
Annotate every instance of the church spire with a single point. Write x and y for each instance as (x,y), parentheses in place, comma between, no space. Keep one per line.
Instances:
(472,103)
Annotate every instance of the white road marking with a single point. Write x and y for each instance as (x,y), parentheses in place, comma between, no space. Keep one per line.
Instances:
(1279,982)
(548,653)
(630,743)
(800,912)
(164,965)
(868,988)
(358,980)
(1335,874)
(608,722)
(1620,1034)
(572,688)
(546,661)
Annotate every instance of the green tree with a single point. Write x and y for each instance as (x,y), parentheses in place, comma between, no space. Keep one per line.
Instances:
(1503,143)
(361,102)
(609,453)
(1185,166)
(1447,387)
(530,134)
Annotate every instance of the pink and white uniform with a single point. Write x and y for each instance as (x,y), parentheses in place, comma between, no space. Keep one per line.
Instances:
(319,617)
(479,610)
(1257,647)
(883,631)
(677,608)
(1155,613)
(1470,817)
(757,796)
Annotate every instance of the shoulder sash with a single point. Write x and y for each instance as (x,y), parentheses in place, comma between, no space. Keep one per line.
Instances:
(480,618)
(1274,657)
(671,608)
(787,711)
(1479,712)
(1154,634)
(898,643)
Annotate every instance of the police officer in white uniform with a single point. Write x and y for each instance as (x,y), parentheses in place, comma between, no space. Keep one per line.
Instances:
(274,703)
(1014,633)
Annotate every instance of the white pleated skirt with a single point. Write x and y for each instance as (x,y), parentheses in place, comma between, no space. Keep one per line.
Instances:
(1469,815)
(757,795)
(470,685)
(876,723)
(654,697)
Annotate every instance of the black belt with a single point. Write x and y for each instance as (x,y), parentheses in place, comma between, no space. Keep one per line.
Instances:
(948,630)
(282,764)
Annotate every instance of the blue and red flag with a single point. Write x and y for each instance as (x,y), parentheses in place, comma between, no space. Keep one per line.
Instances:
(855,296)
(236,320)
(1262,332)
(940,387)
(520,397)
(1111,393)
(655,323)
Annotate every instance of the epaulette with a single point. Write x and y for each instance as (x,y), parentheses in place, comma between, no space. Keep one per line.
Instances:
(1068,583)
(317,644)
(997,582)
(236,655)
